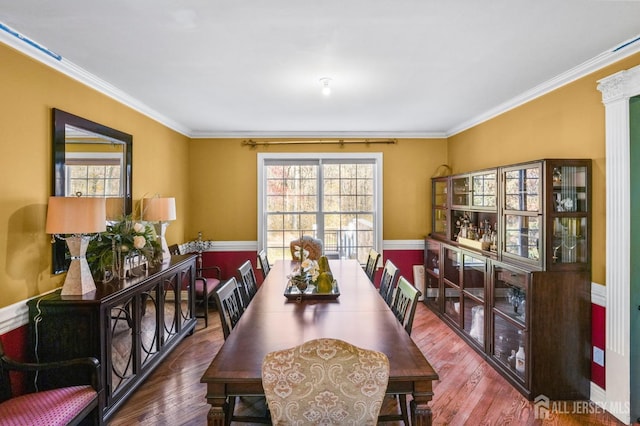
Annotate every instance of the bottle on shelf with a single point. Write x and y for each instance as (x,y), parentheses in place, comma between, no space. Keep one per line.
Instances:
(520,360)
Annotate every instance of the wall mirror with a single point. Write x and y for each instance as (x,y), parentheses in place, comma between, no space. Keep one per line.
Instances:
(94,160)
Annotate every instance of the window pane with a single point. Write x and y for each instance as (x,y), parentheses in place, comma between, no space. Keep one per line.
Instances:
(343,218)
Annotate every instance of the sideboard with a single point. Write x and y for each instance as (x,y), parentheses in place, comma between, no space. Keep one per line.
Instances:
(129,325)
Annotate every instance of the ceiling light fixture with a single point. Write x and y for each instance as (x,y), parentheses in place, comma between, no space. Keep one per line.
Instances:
(326,89)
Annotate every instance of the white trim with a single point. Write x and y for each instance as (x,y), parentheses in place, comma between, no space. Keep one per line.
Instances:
(598,294)
(598,395)
(234,246)
(616,90)
(403,245)
(13,316)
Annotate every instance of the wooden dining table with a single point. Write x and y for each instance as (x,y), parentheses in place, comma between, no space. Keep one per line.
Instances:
(358,315)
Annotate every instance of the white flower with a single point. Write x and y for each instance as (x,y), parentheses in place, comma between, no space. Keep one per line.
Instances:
(139,241)
(138,227)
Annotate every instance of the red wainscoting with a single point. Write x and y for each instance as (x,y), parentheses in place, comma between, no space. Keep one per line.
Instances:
(598,337)
(404,260)
(15,346)
(229,261)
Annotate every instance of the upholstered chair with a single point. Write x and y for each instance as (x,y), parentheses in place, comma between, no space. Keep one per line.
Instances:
(62,406)
(325,381)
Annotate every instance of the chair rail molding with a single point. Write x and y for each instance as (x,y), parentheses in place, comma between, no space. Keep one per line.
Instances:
(617,89)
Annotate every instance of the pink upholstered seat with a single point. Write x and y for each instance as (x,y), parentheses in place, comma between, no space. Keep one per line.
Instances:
(205,286)
(47,408)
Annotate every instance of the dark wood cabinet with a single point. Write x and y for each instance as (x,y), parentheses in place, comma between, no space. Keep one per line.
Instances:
(128,325)
(524,303)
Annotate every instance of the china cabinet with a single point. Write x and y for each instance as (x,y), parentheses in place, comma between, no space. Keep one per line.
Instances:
(513,274)
(129,325)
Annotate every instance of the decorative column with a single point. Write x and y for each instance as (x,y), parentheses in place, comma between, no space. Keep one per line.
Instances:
(616,90)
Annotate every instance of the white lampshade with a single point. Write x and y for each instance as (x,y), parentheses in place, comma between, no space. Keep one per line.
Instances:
(159,209)
(76,215)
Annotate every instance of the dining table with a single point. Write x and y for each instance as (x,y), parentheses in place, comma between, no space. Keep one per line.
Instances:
(355,312)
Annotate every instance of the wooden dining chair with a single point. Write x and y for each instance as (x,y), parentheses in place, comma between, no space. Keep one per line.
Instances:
(372,262)
(312,245)
(404,308)
(229,305)
(248,286)
(264,263)
(405,303)
(388,281)
(325,381)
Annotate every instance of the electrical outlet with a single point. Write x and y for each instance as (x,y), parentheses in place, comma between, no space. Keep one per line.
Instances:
(598,356)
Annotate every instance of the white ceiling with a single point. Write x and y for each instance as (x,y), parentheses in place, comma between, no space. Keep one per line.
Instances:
(252,67)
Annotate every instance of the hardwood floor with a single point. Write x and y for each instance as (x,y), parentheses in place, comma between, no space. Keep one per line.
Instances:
(469,390)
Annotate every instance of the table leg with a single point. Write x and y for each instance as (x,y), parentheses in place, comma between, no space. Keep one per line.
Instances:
(420,414)
(216,417)
(420,410)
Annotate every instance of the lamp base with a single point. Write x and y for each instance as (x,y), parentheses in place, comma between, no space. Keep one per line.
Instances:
(161,230)
(79,280)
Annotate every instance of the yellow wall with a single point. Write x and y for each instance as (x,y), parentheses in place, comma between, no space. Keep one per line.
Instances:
(28,91)
(223,177)
(566,123)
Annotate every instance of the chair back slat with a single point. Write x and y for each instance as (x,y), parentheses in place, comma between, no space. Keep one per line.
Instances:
(370,267)
(248,285)
(264,263)
(388,281)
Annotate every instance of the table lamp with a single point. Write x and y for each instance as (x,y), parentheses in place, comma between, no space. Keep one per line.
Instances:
(160,211)
(76,217)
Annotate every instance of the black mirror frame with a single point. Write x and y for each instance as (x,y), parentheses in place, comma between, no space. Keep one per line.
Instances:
(60,119)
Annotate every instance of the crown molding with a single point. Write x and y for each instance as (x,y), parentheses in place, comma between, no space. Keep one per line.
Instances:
(604,59)
(81,75)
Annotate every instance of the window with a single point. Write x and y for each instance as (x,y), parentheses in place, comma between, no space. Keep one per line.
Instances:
(334,197)
(94,175)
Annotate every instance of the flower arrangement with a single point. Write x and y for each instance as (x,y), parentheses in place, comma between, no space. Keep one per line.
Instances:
(307,272)
(123,239)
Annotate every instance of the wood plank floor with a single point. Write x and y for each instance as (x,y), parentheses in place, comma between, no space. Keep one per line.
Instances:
(469,390)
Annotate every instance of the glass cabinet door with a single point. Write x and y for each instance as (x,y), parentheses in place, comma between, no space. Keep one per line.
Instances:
(440,192)
(522,228)
(485,190)
(473,275)
(510,293)
(522,236)
(569,244)
(523,188)
(461,191)
(473,286)
(432,273)
(440,203)
(568,214)
(451,266)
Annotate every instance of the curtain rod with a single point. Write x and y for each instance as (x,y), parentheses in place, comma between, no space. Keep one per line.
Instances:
(253,143)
